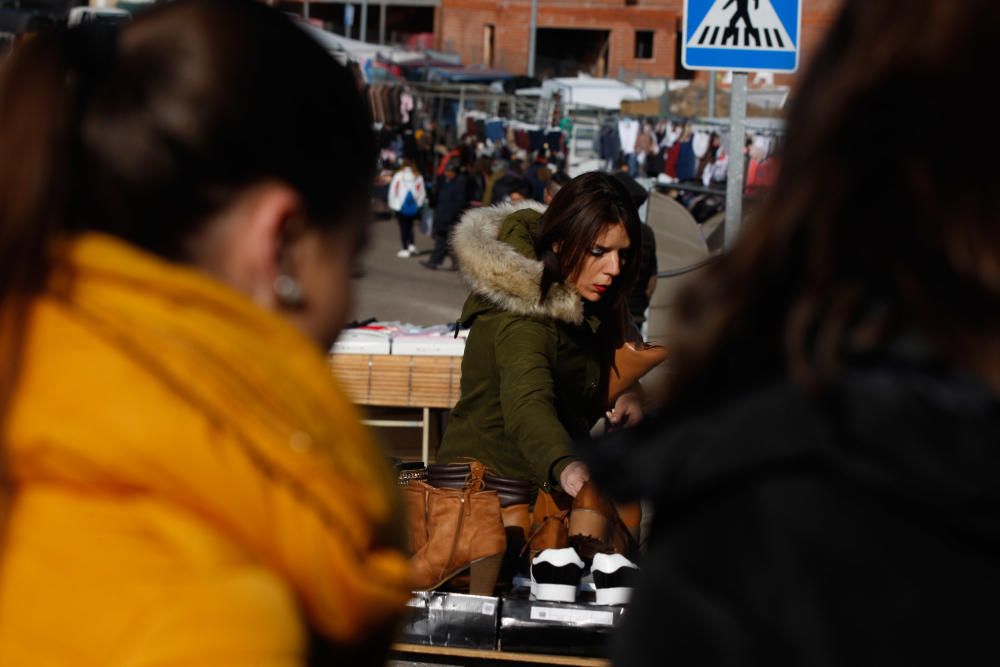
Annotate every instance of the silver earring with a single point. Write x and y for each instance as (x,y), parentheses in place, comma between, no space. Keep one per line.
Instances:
(288,290)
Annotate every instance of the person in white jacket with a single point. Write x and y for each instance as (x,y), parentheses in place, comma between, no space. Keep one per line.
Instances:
(406,197)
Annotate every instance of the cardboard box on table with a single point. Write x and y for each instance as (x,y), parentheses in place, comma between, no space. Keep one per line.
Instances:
(557,628)
(452,619)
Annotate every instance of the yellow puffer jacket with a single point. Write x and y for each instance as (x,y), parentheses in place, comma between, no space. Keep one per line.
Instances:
(188,485)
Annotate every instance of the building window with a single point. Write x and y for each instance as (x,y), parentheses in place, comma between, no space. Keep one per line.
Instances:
(643,44)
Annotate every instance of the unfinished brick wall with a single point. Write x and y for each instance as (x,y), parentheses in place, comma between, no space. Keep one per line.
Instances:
(460,23)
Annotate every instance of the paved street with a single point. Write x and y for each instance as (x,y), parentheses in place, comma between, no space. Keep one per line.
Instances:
(393,288)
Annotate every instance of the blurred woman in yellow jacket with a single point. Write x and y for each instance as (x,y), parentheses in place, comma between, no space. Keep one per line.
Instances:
(183,483)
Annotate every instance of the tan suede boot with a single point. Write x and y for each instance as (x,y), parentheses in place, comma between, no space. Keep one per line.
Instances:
(464,531)
(415,499)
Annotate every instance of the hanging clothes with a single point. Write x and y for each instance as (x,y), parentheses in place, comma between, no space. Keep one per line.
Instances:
(672,135)
(536,140)
(405,107)
(522,140)
(716,172)
(764,144)
(610,146)
(556,141)
(686,163)
(628,131)
(700,143)
(495,130)
(761,174)
(673,153)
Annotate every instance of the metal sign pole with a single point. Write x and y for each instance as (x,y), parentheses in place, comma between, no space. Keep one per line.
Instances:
(381,23)
(737,157)
(711,94)
(532,29)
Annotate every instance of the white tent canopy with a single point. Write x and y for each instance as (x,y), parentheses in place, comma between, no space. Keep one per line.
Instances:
(585,90)
(354,49)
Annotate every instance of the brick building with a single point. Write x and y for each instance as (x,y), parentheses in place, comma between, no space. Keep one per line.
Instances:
(599,37)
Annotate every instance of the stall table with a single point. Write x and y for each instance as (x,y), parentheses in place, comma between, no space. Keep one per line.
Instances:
(401,381)
(434,655)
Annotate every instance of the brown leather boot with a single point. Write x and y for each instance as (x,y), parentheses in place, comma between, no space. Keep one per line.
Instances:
(415,499)
(590,521)
(631,516)
(553,533)
(595,526)
(464,531)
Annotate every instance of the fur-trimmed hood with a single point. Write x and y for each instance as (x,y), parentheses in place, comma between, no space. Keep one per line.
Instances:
(505,275)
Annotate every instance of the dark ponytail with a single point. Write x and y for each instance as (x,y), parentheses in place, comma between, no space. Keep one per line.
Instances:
(148,134)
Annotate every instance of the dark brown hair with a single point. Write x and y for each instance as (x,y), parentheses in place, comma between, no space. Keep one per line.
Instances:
(147,135)
(578,214)
(880,223)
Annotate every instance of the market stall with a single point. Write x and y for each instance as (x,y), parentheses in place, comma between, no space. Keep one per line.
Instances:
(549,612)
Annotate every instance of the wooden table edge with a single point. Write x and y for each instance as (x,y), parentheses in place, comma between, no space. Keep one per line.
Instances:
(528,658)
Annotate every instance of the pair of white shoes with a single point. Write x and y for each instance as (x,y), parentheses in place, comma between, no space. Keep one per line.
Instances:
(556,574)
(408,252)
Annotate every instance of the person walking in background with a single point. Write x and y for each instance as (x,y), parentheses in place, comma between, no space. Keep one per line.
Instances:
(407,197)
(183,482)
(478,181)
(450,200)
(825,470)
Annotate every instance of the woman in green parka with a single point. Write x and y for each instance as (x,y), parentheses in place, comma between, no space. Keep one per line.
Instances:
(546,314)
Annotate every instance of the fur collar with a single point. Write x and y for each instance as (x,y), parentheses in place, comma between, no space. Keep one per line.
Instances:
(496,271)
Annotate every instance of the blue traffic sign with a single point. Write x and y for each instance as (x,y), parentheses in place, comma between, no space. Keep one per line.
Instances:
(742,35)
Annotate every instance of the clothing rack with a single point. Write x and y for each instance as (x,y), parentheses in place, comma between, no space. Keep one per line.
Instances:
(711,125)
(688,187)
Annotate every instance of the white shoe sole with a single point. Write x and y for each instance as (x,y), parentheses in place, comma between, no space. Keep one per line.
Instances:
(613,596)
(555,592)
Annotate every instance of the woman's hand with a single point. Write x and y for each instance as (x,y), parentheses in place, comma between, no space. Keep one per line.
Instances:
(573,477)
(627,411)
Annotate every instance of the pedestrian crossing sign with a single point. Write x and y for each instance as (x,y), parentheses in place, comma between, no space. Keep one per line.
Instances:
(742,35)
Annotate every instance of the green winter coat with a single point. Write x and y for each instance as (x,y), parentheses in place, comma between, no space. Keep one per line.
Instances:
(531,371)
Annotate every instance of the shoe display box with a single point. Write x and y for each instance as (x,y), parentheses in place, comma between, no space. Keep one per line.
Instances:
(452,619)
(558,628)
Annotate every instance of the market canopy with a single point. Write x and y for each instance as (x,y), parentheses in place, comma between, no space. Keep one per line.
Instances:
(589,91)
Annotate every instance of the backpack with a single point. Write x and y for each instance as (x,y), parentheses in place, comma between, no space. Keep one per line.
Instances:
(409,207)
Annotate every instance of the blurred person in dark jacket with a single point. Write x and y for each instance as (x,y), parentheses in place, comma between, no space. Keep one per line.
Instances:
(450,196)
(538,174)
(825,469)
